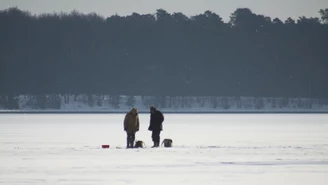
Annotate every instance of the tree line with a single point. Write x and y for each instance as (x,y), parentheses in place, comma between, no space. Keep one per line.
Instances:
(101,103)
(163,54)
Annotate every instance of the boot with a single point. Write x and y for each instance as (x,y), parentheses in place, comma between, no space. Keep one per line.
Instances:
(127,144)
(158,141)
(131,144)
(156,144)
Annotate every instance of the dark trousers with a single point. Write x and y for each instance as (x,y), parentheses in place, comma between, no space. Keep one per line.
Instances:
(156,136)
(130,139)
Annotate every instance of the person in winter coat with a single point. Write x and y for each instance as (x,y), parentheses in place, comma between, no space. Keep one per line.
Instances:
(131,126)
(156,126)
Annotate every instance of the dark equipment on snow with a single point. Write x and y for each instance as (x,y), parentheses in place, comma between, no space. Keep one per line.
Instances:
(139,144)
(167,142)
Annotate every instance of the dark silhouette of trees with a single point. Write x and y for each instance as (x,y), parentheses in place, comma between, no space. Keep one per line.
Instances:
(324,15)
(162,55)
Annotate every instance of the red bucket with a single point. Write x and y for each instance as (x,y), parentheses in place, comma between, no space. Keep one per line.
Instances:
(104,146)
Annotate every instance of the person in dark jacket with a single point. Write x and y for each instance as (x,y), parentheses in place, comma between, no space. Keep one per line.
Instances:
(156,126)
(131,126)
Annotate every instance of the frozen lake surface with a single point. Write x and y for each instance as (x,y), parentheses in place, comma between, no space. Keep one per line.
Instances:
(252,149)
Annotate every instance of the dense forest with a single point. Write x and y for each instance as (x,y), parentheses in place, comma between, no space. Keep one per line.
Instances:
(163,54)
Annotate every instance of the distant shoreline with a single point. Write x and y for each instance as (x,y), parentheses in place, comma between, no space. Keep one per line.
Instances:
(166,112)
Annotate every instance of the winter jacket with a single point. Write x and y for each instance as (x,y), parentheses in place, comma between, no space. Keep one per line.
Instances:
(156,120)
(131,121)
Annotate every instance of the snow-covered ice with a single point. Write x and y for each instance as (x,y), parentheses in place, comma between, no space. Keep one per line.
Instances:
(220,149)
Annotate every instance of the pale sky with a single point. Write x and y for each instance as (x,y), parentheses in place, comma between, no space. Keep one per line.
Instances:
(273,8)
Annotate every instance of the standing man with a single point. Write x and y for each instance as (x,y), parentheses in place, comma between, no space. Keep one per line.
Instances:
(156,120)
(131,126)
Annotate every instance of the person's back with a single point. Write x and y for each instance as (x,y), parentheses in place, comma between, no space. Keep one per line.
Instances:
(156,120)
(156,126)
